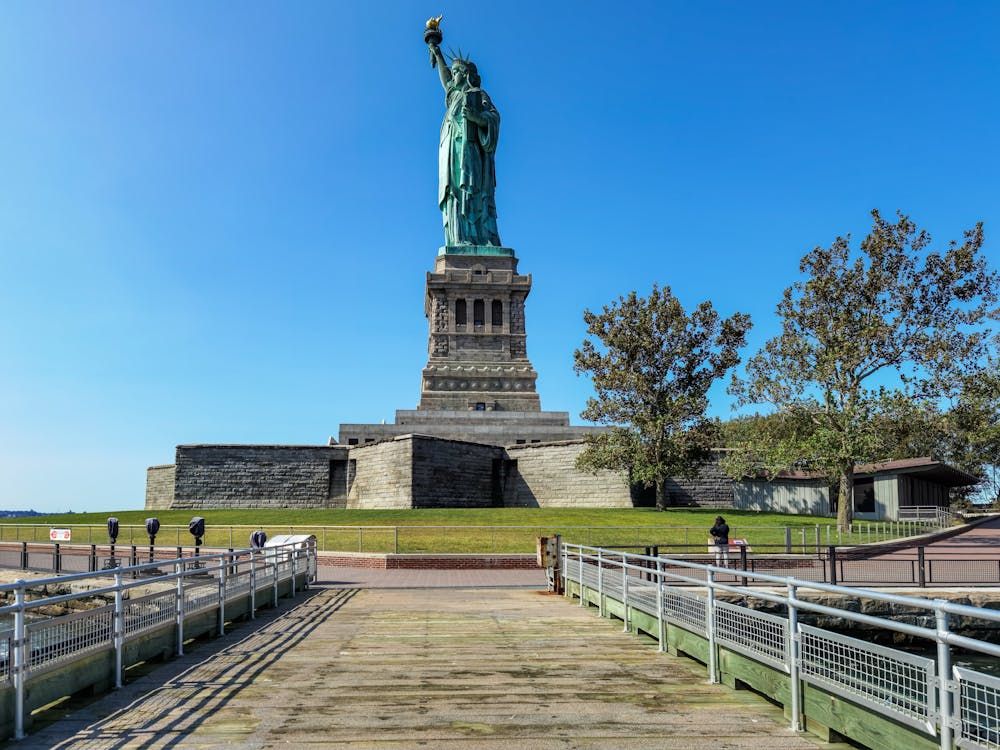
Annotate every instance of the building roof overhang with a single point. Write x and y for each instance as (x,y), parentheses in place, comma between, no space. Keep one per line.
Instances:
(924,467)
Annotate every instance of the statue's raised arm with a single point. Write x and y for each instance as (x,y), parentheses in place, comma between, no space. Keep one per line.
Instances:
(433,36)
(466,154)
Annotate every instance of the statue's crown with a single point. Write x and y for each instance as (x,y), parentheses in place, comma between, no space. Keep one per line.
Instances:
(460,57)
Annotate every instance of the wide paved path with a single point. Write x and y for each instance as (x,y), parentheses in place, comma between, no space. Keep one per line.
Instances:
(415,668)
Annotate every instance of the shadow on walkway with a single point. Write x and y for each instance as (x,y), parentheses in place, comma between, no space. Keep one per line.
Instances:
(166,716)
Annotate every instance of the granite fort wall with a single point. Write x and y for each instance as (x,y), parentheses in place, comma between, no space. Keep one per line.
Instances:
(260,476)
(409,471)
(416,471)
(456,474)
(545,476)
(711,488)
(381,475)
(160,487)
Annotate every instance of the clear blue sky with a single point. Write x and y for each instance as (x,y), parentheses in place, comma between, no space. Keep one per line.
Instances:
(215,218)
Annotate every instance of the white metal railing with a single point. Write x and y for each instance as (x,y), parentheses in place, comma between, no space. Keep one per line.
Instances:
(978,709)
(931,514)
(60,639)
(890,681)
(759,635)
(958,706)
(149,612)
(37,644)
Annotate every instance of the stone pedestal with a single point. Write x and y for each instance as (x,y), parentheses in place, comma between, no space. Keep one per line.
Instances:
(478,384)
(477,343)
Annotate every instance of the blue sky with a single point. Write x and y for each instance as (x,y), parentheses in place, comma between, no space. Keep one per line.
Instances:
(215,218)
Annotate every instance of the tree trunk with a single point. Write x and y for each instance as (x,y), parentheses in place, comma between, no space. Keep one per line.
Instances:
(661,495)
(845,497)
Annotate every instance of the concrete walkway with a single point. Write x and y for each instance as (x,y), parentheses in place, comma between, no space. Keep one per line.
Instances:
(418,668)
(449,578)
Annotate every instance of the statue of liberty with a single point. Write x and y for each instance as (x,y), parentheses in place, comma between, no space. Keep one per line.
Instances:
(466,165)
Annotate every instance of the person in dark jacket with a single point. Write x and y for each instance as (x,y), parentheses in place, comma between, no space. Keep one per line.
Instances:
(720,537)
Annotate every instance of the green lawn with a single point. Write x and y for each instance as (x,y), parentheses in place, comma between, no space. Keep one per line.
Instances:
(410,530)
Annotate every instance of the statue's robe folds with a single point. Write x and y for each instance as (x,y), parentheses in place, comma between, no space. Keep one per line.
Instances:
(466,169)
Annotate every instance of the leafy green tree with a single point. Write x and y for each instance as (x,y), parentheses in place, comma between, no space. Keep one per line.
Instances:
(861,332)
(973,431)
(652,366)
(963,432)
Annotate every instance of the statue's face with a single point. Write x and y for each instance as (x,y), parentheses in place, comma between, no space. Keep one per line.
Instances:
(460,74)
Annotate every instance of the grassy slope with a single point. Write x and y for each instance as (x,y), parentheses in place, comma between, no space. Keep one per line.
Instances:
(561,517)
(410,530)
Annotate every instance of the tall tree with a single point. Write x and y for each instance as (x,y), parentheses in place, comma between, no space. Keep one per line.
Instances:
(895,320)
(973,431)
(652,366)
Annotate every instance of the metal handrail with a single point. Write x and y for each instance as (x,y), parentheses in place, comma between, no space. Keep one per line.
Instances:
(283,561)
(909,601)
(943,702)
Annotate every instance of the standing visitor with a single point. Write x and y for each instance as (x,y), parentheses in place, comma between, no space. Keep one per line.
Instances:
(720,538)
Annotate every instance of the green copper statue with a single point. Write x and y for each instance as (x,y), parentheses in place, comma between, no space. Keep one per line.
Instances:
(466,166)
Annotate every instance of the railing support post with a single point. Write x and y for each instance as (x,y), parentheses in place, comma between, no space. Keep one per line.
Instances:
(558,584)
(600,582)
(179,607)
(661,627)
(944,674)
(580,575)
(625,628)
(274,585)
(713,666)
(24,555)
(223,567)
(253,585)
(793,660)
(20,661)
(564,570)
(833,564)
(119,629)
(57,560)
(921,568)
(743,563)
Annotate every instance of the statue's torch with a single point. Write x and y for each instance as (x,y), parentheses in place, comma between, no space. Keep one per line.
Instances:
(433,36)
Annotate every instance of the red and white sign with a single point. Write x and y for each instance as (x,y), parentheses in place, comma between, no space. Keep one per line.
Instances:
(60,535)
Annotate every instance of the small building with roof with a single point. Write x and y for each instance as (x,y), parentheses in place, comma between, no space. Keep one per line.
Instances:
(881,490)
